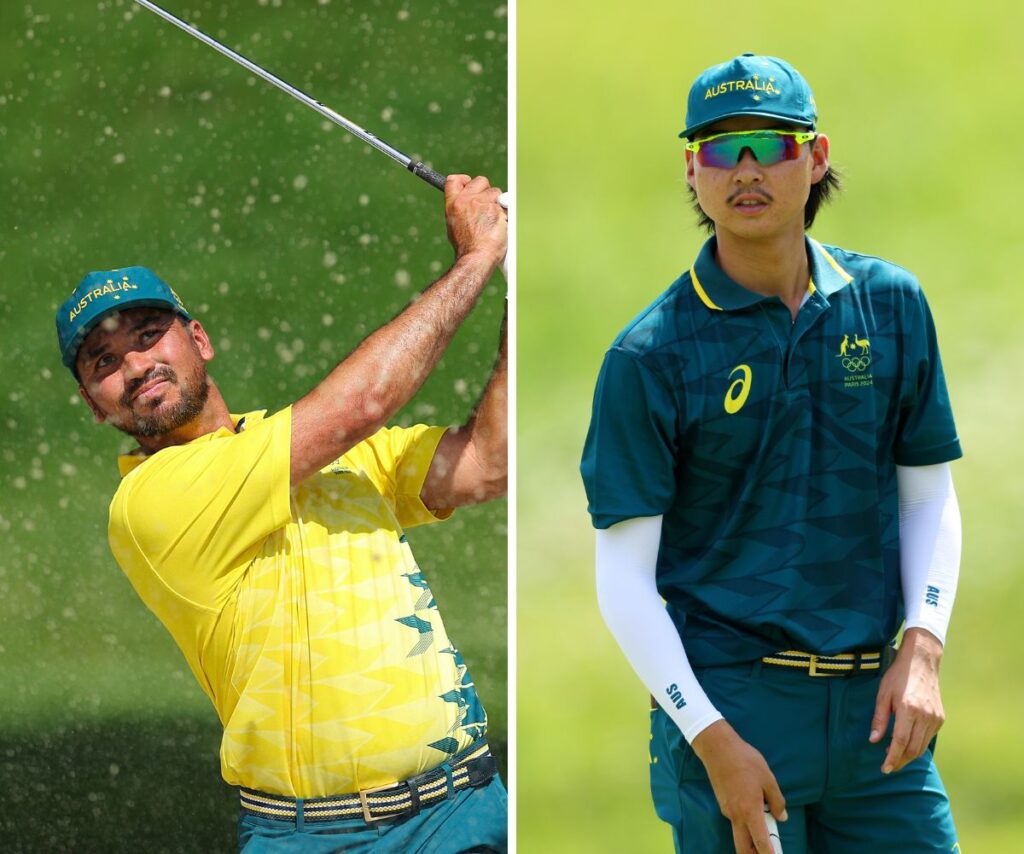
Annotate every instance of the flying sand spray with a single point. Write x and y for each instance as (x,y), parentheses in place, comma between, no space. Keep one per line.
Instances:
(418,168)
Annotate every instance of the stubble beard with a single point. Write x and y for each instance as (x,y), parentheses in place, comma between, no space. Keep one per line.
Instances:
(193,393)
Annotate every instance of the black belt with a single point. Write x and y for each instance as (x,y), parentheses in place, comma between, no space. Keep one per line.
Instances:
(472,768)
(843,664)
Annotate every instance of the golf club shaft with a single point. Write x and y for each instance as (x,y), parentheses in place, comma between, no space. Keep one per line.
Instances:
(414,166)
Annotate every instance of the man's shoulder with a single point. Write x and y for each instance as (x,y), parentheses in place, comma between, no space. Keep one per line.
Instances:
(872,271)
(178,470)
(140,469)
(657,325)
(153,490)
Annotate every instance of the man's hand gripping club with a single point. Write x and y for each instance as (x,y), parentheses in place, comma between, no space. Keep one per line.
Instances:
(380,376)
(743,783)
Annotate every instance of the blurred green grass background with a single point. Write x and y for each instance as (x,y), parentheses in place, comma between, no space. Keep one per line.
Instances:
(123,141)
(921,103)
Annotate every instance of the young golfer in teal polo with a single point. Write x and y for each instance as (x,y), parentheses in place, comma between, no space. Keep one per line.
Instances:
(768,472)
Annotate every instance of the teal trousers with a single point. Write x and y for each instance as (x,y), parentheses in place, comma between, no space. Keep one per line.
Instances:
(813,732)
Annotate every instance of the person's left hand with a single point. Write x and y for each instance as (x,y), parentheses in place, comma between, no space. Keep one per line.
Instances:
(910,689)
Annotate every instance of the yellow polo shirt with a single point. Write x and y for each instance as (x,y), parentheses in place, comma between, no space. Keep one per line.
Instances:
(301,611)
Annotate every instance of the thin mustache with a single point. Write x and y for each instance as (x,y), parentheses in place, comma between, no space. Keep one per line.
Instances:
(162,373)
(764,195)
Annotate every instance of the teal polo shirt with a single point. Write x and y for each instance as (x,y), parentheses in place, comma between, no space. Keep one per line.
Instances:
(770,447)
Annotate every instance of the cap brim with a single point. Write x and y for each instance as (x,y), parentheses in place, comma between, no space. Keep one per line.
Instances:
(690,131)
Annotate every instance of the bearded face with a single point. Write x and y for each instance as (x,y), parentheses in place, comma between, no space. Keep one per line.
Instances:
(144,371)
(172,401)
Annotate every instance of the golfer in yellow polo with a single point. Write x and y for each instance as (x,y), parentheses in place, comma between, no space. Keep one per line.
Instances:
(272,547)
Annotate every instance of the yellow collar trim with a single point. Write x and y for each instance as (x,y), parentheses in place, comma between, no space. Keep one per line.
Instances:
(699,288)
(704,298)
(832,262)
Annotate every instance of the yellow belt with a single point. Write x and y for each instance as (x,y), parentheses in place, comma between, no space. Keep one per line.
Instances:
(842,664)
(472,768)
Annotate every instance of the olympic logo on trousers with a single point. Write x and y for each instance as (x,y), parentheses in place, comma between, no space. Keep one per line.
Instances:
(856,364)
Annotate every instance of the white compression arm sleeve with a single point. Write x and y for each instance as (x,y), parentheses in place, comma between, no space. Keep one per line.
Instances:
(627,593)
(930,537)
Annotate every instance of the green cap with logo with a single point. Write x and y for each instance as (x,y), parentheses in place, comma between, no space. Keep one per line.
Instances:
(103,293)
(750,85)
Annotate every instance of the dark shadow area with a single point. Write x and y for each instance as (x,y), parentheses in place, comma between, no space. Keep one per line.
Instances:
(121,786)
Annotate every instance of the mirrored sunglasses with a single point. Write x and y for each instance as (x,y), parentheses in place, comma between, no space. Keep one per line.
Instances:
(724,150)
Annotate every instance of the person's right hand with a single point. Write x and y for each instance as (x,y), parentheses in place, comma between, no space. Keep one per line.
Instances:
(476,222)
(743,783)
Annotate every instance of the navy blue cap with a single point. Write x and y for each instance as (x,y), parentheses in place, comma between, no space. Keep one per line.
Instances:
(750,85)
(104,292)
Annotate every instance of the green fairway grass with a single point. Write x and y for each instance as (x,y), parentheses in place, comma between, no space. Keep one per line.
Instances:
(123,141)
(918,102)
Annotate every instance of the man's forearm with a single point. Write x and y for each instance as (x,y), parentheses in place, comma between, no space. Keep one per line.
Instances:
(627,594)
(930,538)
(386,369)
(488,425)
(471,462)
(930,561)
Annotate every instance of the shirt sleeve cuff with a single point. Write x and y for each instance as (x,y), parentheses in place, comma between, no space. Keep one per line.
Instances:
(410,509)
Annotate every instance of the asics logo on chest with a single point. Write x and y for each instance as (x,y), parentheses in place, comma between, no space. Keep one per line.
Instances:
(736,394)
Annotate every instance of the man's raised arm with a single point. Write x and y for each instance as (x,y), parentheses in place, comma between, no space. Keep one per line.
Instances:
(471,462)
(380,376)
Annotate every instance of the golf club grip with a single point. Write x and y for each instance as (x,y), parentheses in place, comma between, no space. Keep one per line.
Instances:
(437,179)
(427,174)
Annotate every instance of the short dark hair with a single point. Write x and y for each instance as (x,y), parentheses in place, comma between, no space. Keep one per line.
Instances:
(821,192)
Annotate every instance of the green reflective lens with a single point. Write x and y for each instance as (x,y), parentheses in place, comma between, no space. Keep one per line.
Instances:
(724,150)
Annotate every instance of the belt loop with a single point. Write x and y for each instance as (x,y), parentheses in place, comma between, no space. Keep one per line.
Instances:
(414,795)
(450,784)
(300,821)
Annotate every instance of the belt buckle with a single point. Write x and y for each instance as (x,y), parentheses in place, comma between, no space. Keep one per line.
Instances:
(367,817)
(812,670)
